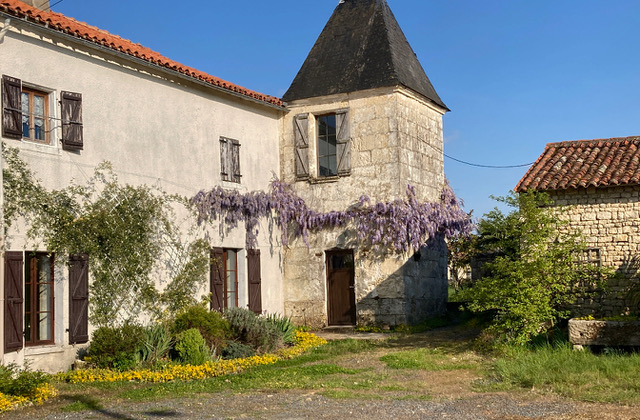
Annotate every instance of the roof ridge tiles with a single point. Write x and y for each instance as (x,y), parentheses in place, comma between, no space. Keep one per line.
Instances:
(73,27)
(585,163)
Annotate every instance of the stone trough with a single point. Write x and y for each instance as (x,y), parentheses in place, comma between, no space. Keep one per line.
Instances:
(604,333)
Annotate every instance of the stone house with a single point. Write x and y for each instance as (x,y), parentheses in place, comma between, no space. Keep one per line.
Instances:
(361,117)
(597,184)
(388,124)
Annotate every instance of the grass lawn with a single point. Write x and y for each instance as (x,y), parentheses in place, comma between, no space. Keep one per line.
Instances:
(439,364)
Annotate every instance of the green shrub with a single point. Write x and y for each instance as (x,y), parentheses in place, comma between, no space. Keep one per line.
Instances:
(191,347)
(284,324)
(157,344)
(248,328)
(116,347)
(212,326)
(21,383)
(235,350)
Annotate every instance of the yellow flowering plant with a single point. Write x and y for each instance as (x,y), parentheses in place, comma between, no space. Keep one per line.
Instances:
(304,342)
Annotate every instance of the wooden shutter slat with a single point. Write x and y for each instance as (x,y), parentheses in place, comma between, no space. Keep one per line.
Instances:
(217,279)
(78,299)
(301,136)
(343,143)
(255,280)
(14,301)
(71,104)
(11,107)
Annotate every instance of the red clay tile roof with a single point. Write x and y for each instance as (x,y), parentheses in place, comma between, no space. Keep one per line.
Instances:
(84,31)
(585,163)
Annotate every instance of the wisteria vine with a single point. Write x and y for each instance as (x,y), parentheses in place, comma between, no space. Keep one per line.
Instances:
(398,225)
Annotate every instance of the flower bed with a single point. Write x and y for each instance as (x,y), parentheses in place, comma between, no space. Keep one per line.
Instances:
(41,394)
(304,342)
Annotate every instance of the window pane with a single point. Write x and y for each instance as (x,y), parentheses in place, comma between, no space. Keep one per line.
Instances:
(44,326)
(25,114)
(331,125)
(38,106)
(231,300)
(38,117)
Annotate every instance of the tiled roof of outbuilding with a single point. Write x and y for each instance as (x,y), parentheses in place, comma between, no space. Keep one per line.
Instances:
(103,38)
(585,163)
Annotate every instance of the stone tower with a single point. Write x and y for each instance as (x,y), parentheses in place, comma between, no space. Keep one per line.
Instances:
(363,119)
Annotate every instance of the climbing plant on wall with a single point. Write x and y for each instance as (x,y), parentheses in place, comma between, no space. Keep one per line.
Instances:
(395,226)
(128,232)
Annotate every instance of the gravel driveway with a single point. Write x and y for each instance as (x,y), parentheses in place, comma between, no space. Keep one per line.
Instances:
(300,405)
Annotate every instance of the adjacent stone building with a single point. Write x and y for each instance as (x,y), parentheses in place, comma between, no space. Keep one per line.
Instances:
(363,118)
(597,184)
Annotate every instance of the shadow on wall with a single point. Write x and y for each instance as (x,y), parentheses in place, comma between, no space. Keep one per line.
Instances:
(415,291)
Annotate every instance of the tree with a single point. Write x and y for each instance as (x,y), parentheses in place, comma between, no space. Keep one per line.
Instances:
(538,272)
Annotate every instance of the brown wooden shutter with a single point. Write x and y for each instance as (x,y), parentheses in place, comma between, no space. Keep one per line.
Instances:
(235,160)
(255,280)
(72,138)
(78,299)
(11,107)
(217,279)
(343,143)
(301,136)
(225,161)
(13,301)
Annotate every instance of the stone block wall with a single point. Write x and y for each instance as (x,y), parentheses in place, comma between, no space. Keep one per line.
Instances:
(396,140)
(608,219)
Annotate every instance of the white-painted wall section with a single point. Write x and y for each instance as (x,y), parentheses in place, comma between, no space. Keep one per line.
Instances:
(155,126)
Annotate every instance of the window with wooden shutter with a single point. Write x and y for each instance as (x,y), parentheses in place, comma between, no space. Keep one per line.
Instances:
(217,277)
(13,301)
(11,107)
(343,143)
(301,145)
(78,299)
(230,160)
(71,105)
(255,280)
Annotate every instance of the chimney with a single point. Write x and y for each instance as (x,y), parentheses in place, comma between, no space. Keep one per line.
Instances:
(38,4)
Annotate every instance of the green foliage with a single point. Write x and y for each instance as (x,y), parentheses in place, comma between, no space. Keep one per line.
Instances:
(235,350)
(116,347)
(253,330)
(191,348)
(537,274)
(283,324)
(156,346)
(211,324)
(21,383)
(128,232)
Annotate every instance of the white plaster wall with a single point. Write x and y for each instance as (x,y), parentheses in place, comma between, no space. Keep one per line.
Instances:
(155,127)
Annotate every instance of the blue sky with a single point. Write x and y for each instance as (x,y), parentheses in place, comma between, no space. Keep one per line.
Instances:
(516,74)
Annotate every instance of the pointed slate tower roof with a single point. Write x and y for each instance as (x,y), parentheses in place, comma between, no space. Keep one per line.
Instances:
(361,47)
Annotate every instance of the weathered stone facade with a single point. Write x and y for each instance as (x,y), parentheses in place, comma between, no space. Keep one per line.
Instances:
(608,219)
(396,140)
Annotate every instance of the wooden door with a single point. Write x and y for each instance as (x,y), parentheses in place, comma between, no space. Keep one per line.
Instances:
(341,296)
